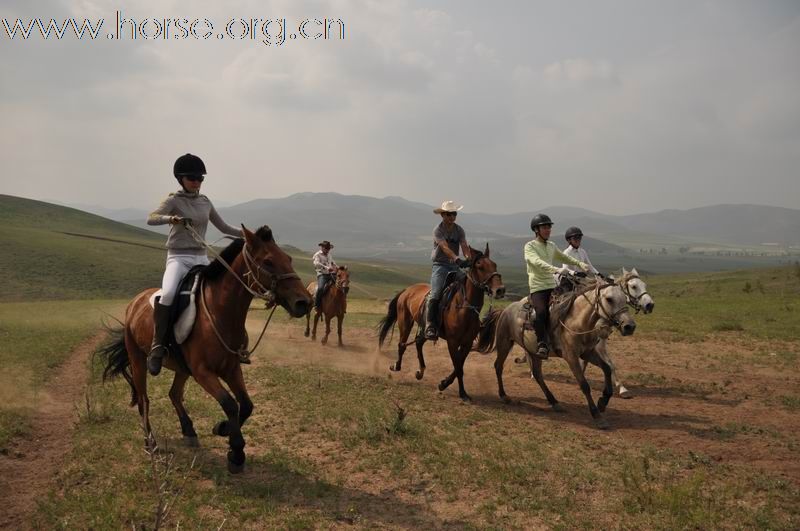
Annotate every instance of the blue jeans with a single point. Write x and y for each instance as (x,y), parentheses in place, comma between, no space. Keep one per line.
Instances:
(438,276)
(322,282)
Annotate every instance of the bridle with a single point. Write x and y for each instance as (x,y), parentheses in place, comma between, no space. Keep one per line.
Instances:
(598,308)
(631,299)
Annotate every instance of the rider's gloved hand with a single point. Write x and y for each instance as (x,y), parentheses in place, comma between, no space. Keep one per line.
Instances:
(175,220)
(462,263)
(564,271)
(584,266)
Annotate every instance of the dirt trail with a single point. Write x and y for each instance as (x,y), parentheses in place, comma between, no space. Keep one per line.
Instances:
(714,398)
(32,464)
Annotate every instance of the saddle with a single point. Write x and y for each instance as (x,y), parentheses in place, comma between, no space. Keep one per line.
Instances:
(183,313)
(451,287)
(327,287)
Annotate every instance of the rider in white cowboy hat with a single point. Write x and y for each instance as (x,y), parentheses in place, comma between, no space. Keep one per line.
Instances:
(448,238)
(325,268)
(186,206)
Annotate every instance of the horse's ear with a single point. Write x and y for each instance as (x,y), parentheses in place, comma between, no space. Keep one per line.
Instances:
(611,278)
(634,272)
(486,252)
(249,237)
(624,271)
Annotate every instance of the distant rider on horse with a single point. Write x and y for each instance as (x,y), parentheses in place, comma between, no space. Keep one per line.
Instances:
(326,268)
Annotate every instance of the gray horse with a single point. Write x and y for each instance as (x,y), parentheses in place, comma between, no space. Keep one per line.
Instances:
(639,299)
(576,330)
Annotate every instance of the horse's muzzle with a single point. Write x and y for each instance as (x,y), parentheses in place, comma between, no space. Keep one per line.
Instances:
(628,328)
(648,308)
(299,308)
(500,292)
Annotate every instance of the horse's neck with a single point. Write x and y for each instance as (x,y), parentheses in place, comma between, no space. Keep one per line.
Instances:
(585,316)
(228,296)
(473,294)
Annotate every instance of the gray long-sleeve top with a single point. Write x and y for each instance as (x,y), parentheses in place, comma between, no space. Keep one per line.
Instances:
(196,207)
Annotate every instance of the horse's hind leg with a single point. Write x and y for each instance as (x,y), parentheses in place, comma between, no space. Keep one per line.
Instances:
(420,357)
(339,319)
(405,325)
(503,348)
(176,396)
(536,371)
(461,359)
(139,381)
(575,366)
(236,456)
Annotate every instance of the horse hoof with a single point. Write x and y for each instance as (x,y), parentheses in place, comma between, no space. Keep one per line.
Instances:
(306,334)
(558,408)
(220,428)
(393,367)
(522,359)
(506,399)
(626,394)
(442,386)
(419,375)
(466,399)
(601,424)
(191,441)
(233,468)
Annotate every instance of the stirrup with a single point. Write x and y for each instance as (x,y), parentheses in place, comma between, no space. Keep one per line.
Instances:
(156,361)
(431,333)
(542,345)
(244,357)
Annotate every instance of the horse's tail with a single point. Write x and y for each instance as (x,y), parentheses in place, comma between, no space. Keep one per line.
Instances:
(115,356)
(488,332)
(387,323)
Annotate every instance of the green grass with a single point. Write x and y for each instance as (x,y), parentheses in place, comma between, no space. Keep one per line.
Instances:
(312,436)
(35,338)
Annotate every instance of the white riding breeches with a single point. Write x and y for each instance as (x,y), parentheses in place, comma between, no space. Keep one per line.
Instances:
(177,266)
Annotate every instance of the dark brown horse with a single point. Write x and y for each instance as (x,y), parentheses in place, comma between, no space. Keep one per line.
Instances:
(258,267)
(460,320)
(333,304)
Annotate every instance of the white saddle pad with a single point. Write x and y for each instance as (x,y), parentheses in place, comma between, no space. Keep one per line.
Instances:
(185,323)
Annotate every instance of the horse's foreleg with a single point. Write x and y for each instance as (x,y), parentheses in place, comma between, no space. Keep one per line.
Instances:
(236,456)
(339,319)
(317,317)
(461,360)
(327,329)
(575,366)
(602,351)
(176,396)
(308,325)
(420,357)
(595,358)
(452,349)
(235,382)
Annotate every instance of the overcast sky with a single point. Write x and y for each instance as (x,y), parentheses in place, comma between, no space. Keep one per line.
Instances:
(617,106)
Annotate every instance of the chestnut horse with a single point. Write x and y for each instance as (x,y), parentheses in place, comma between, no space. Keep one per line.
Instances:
(333,304)
(460,321)
(258,267)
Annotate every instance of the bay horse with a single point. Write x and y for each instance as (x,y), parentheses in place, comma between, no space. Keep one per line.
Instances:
(576,330)
(460,321)
(258,267)
(333,304)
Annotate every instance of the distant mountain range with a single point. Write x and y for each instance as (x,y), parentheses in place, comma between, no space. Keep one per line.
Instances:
(397,228)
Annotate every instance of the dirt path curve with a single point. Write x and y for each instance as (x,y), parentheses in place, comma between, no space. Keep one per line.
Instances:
(29,469)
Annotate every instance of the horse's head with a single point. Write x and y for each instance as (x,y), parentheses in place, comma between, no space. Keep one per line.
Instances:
(483,273)
(274,271)
(635,290)
(613,307)
(343,279)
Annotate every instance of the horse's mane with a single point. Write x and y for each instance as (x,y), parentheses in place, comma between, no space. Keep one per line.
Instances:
(563,305)
(216,268)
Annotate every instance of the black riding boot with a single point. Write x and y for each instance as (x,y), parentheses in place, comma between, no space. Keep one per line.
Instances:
(432,320)
(159,347)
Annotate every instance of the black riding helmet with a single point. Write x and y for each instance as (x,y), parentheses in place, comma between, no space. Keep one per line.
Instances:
(188,165)
(539,220)
(572,232)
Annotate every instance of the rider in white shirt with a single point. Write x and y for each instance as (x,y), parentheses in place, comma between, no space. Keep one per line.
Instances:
(574,235)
